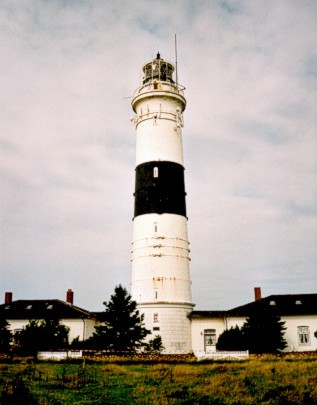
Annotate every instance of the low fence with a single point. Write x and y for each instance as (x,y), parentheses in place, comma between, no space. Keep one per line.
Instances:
(57,356)
(238,355)
(78,354)
(117,356)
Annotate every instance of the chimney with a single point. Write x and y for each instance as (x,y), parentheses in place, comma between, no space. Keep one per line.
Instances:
(257,293)
(8,297)
(70,296)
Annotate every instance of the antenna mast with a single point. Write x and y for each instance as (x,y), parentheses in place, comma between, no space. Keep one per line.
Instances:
(176,60)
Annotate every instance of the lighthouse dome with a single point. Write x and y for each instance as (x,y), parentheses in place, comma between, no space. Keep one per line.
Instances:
(158,70)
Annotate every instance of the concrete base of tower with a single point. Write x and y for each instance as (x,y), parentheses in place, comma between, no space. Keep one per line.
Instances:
(171,322)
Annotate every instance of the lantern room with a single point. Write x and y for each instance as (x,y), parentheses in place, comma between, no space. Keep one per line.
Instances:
(158,70)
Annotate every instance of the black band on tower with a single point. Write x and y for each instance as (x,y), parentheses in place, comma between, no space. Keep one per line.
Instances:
(159,188)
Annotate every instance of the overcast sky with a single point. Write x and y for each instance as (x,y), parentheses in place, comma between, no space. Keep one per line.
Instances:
(68,70)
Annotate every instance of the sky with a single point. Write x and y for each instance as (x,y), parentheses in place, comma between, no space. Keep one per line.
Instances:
(68,70)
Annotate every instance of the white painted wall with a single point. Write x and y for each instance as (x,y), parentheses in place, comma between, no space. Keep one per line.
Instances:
(173,323)
(233,322)
(78,327)
(198,327)
(84,328)
(158,124)
(160,259)
(291,333)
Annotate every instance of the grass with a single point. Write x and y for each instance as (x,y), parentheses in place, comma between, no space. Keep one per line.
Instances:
(256,381)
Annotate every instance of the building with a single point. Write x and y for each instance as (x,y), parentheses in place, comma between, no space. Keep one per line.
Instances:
(298,311)
(81,323)
(160,281)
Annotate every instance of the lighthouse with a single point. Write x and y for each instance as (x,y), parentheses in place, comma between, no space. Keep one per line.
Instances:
(160,281)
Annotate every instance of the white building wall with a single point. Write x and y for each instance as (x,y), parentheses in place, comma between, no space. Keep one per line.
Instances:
(199,325)
(233,322)
(160,259)
(159,142)
(16,325)
(291,334)
(83,328)
(292,323)
(158,122)
(172,323)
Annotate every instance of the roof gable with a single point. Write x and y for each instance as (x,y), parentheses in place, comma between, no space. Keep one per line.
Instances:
(284,305)
(42,309)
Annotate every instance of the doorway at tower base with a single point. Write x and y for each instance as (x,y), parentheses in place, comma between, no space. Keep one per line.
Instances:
(171,322)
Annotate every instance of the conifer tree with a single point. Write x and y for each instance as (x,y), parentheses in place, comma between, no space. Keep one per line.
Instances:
(264,331)
(47,334)
(122,327)
(231,339)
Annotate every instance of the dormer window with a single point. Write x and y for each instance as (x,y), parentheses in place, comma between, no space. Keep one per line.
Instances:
(50,306)
(155,172)
(298,302)
(272,303)
(29,306)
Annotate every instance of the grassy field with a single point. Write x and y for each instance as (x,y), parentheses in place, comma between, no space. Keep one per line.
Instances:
(254,381)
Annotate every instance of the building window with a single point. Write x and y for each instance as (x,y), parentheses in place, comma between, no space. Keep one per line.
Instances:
(209,337)
(155,227)
(156,293)
(303,335)
(155,172)
(156,328)
(155,318)
(16,334)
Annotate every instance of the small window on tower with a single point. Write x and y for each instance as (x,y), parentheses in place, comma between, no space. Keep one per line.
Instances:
(155,227)
(155,318)
(155,172)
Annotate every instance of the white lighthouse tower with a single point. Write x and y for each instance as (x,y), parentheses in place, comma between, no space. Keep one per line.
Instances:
(160,281)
